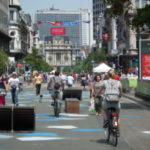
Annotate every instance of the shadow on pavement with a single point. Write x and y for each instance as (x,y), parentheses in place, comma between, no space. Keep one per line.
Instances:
(100,141)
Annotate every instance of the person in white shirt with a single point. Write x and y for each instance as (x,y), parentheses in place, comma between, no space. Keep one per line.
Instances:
(14,86)
(70,81)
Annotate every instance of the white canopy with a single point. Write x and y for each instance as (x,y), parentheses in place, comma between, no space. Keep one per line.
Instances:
(53,71)
(101,68)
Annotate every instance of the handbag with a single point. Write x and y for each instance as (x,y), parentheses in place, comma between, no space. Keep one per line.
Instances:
(112,97)
(92,105)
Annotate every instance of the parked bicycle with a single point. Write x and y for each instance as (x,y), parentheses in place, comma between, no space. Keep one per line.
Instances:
(112,127)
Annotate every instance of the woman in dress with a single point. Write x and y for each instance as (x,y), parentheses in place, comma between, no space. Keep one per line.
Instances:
(97,85)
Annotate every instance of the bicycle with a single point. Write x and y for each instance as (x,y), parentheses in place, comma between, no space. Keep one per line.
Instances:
(57,103)
(112,128)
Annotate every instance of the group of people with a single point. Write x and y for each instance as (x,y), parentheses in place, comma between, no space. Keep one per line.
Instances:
(100,86)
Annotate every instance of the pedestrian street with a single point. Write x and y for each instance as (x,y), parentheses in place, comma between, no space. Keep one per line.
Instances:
(77,131)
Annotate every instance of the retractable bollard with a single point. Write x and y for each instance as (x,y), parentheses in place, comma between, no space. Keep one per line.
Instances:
(6,118)
(72,105)
(23,118)
(72,93)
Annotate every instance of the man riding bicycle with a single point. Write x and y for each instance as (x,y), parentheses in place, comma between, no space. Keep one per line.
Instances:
(55,86)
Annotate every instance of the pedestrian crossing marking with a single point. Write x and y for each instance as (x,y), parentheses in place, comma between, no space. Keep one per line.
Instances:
(62,127)
(38,134)
(74,115)
(5,136)
(39,138)
(131,116)
(87,130)
(146,132)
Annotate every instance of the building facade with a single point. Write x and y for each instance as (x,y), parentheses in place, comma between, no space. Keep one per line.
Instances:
(58,52)
(98,8)
(141,3)
(19,31)
(79,32)
(4,35)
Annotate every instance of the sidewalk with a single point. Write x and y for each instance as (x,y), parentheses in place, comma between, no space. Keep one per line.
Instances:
(132,97)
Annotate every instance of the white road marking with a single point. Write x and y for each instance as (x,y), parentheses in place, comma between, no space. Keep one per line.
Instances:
(146,132)
(71,118)
(39,138)
(74,115)
(63,127)
(2,136)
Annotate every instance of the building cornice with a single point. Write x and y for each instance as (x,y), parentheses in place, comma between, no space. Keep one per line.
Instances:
(5,35)
(15,6)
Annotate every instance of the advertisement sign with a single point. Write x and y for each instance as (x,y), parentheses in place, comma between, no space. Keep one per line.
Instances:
(57,31)
(146,66)
(144,59)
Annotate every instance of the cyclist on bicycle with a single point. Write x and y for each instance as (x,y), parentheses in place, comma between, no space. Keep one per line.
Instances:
(55,85)
(114,88)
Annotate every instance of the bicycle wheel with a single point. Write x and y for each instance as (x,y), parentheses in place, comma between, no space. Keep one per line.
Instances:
(115,139)
(107,133)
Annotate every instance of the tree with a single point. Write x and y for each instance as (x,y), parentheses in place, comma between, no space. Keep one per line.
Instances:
(119,7)
(3,60)
(142,17)
(36,61)
(67,69)
(87,64)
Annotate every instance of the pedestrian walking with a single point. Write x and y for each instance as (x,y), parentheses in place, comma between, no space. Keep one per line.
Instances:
(3,88)
(14,87)
(70,81)
(38,82)
(97,85)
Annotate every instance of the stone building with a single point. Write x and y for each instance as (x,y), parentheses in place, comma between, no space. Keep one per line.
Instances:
(19,31)
(59,52)
(4,36)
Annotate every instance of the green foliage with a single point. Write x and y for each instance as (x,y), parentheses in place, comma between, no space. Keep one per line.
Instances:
(118,7)
(37,62)
(78,68)
(87,64)
(67,69)
(3,60)
(142,17)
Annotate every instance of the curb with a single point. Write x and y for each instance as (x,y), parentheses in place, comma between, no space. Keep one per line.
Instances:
(136,99)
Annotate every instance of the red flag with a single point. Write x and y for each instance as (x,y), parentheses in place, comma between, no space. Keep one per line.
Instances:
(39,22)
(58,23)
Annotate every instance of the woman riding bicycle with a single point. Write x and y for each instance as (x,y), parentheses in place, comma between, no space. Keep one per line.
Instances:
(111,87)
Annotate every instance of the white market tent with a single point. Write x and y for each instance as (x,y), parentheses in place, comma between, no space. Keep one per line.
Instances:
(101,68)
(53,71)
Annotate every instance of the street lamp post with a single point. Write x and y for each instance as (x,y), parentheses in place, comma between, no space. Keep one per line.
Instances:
(100,30)
(93,62)
(139,51)
(89,30)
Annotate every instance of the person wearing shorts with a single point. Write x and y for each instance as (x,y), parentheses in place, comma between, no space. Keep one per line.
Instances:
(111,86)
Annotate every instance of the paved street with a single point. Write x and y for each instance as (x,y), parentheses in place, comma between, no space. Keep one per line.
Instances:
(77,131)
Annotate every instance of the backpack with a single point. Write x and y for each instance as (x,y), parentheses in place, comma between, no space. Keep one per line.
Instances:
(57,85)
(111,96)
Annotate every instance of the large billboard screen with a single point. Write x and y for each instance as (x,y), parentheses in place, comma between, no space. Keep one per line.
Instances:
(57,31)
(144,59)
(146,66)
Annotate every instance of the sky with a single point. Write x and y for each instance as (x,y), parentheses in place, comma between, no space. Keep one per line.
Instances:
(31,6)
